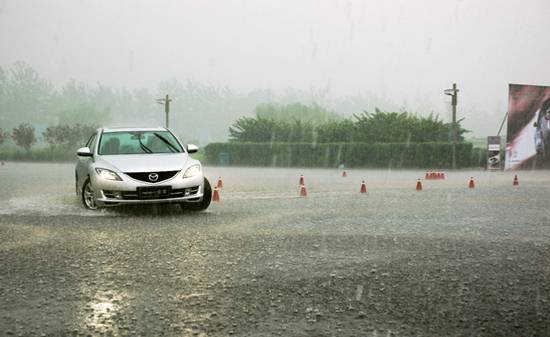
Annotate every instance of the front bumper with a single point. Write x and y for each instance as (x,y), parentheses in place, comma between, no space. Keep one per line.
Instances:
(109,192)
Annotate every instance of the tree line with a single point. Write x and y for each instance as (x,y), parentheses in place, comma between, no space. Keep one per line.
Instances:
(63,136)
(27,97)
(199,111)
(294,123)
(298,135)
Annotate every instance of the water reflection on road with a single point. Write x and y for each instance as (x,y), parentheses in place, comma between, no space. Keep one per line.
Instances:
(128,294)
(445,261)
(101,313)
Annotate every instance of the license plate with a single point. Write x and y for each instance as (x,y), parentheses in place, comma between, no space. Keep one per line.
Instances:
(154,192)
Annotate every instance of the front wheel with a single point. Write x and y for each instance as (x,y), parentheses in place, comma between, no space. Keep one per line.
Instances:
(88,195)
(204,203)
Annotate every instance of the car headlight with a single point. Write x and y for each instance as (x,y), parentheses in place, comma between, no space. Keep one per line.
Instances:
(107,174)
(192,171)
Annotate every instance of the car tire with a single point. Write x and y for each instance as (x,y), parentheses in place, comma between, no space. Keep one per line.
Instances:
(204,203)
(88,197)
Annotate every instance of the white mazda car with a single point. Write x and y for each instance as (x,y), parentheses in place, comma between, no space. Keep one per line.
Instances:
(121,166)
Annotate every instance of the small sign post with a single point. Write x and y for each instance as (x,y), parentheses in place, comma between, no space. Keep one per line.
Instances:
(493,153)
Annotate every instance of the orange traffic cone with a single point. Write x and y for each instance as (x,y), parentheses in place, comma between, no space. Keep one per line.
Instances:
(216,195)
(363,187)
(419,185)
(344,174)
(303,191)
(302,180)
(516,181)
(220,183)
(471,184)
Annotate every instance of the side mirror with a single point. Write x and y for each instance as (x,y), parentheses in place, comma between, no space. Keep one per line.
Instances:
(84,152)
(192,148)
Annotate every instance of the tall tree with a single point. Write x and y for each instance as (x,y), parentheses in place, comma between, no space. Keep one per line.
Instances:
(3,136)
(26,94)
(23,136)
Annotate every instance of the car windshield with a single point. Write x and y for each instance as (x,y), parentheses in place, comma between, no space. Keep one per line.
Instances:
(138,142)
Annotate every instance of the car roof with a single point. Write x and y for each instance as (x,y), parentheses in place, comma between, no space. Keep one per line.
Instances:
(126,129)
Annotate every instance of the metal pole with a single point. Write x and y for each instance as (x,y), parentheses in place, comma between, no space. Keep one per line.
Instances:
(167,109)
(453,127)
(166,101)
(502,124)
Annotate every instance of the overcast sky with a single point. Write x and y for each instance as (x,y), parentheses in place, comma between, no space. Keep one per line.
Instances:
(407,51)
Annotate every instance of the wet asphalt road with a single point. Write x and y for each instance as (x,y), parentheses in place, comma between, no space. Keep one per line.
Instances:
(447,261)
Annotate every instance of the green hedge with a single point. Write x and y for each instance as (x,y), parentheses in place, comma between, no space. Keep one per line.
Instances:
(52,155)
(39,154)
(380,155)
(395,155)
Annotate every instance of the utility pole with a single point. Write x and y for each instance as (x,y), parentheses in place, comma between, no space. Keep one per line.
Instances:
(166,101)
(454,95)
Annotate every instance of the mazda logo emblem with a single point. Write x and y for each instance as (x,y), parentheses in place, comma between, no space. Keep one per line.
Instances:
(153,176)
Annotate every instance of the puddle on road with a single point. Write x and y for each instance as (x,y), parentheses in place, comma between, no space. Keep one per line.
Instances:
(101,312)
(45,205)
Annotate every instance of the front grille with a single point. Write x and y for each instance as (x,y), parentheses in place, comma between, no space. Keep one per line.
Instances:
(144,176)
(134,195)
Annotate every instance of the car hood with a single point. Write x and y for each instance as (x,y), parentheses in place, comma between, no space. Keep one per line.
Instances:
(158,162)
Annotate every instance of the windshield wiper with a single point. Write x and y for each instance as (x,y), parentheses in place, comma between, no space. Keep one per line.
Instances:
(167,142)
(143,147)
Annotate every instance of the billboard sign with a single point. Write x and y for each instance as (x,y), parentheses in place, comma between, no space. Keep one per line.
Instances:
(528,136)
(493,153)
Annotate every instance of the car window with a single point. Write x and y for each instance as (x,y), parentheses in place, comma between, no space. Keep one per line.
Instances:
(91,143)
(138,142)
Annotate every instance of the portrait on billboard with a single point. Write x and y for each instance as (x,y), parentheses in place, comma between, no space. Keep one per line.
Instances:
(542,129)
(528,136)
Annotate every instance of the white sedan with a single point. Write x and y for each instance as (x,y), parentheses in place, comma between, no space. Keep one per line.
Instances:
(120,166)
